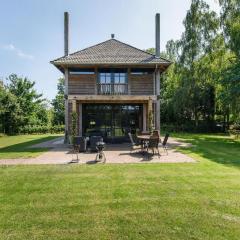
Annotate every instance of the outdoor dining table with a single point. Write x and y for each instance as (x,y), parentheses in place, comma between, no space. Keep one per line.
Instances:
(143,139)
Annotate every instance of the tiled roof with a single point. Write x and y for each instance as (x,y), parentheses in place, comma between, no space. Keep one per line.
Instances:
(110,52)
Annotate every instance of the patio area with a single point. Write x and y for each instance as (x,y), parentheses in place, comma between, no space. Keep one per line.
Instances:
(60,153)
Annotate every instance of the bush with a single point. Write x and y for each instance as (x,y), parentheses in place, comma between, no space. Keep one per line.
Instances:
(41,129)
(235,130)
(203,127)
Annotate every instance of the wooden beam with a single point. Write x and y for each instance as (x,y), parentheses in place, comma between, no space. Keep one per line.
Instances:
(145,117)
(112,98)
(80,120)
(157,112)
(66,140)
(150,113)
(74,105)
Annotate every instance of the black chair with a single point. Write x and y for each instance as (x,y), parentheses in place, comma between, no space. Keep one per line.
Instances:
(75,147)
(82,141)
(134,145)
(153,144)
(93,142)
(164,143)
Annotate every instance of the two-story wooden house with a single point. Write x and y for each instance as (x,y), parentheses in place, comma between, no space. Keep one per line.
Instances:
(113,87)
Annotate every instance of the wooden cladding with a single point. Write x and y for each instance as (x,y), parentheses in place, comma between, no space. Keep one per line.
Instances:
(141,84)
(86,84)
(83,84)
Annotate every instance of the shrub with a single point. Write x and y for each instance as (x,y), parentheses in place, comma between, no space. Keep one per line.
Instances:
(41,129)
(235,130)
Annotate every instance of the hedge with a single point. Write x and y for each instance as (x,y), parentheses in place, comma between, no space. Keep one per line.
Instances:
(39,129)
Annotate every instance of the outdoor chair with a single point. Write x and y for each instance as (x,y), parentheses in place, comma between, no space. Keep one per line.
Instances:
(134,145)
(153,144)
(82,144)
(93,142)
(164,143)
(75,147)
(156,133)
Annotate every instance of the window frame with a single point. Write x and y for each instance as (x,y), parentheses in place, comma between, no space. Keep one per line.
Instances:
(113,72)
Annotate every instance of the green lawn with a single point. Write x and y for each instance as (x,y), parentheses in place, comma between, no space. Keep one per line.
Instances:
(17,146)
(127,201)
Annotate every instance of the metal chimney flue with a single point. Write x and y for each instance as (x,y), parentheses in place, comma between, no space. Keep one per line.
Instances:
(157,40)
(66,33)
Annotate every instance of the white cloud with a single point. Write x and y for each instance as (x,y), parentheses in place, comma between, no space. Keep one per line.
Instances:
(19,52)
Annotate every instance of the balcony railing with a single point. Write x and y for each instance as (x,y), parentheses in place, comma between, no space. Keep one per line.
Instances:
(112,88)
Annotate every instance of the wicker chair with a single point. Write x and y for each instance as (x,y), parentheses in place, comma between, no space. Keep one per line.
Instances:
(153,145)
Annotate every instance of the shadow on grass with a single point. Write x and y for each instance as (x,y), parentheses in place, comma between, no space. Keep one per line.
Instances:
(218,149)
(24,147)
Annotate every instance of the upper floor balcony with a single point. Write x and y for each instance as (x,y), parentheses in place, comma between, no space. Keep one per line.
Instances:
(111,82)
(112,89)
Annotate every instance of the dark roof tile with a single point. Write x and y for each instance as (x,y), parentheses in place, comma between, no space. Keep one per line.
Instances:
(110,52)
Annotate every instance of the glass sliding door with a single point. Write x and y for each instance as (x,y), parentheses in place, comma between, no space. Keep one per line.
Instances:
(112,121)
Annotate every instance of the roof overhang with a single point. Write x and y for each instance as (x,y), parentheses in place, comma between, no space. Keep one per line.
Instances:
(62,66)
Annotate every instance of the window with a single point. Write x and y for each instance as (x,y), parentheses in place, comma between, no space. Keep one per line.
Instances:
(120,78)
(141,71)
(105,78)
(112,81)
(114,76)
(81,71)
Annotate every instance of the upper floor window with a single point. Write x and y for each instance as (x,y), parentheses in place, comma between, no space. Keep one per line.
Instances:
(104,77)
(81,71)
(113,76)
(112,81)
(120,77)
(141,71)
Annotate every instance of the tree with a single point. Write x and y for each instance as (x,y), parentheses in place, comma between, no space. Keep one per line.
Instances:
(58,103)
(201,27)
(10,111)
(230,20)
(28,98)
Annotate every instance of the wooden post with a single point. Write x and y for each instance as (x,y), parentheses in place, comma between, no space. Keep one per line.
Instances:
(157,112)
(149,113)
(129,81)
(80,120)
(144,117)
(74,105)
(96,80)
(66,137)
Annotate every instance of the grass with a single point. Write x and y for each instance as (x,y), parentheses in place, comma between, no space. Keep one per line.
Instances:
(18,146)
(127,201)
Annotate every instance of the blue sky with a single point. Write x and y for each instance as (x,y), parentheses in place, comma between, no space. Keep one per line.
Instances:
(31,31)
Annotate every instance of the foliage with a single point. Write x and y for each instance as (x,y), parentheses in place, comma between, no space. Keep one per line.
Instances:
(40,129)
(58,104)
(28,98)
(150,120)
(74,117)
(21,107)
(203,83)
(10,111)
